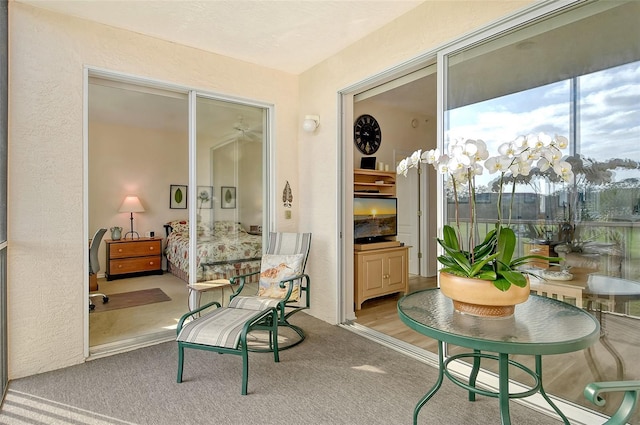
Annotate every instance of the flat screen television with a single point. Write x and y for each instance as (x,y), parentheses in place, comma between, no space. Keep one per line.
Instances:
(374,218)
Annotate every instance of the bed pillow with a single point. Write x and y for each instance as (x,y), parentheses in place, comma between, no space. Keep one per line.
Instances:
(179,226)
(275,268)
(226,227)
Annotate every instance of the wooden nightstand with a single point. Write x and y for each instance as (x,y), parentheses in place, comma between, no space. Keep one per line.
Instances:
(137,257)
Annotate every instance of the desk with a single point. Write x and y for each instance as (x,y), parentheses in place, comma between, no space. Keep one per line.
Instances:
(540,326)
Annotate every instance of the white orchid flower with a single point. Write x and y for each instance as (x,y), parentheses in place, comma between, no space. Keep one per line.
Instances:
(477,169)
(506,149)
(443,164)
(520,167)
(470,148)
(461,176)
(562,142)
(520,143)
(562,168)
(553,154)
(402,167)
(414,159)
(539,141)
(432,156)
(482,153)
(497,164)
(543,164)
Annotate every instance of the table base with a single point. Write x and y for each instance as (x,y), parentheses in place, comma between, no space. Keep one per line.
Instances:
(502,394)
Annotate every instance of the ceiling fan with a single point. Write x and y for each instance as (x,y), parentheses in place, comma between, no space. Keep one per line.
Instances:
(245,132)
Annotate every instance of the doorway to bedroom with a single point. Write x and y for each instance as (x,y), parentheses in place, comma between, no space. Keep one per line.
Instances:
(188,158)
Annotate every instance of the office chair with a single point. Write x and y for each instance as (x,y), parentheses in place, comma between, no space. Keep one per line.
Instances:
(94,264)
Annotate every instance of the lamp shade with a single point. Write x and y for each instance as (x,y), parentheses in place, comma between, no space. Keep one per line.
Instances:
(131,204)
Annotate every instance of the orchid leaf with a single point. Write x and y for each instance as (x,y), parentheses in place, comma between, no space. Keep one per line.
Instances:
(446,261)
(506,244)
(523,260)
(450,238)
(479,264)
(486,275)
(515,278)
(462,261)
(502,284)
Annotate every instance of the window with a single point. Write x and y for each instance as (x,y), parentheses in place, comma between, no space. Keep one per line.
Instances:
(554,75)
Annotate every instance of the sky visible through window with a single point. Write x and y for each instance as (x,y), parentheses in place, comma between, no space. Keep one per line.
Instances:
(608,105)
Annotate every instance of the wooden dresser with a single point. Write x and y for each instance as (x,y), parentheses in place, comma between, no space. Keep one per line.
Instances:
(137,257)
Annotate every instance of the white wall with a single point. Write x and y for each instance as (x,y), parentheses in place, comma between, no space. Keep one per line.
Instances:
(134,161)
(47,238)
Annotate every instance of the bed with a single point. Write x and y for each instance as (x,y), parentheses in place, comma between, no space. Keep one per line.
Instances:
(224,250)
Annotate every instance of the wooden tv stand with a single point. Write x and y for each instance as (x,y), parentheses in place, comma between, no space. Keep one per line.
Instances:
(380,269)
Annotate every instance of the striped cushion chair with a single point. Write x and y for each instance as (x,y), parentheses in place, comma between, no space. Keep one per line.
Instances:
(283,283)
(224,330)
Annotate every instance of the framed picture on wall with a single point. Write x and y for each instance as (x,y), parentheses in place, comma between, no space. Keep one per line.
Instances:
(227,197)
(205,197)
(178,196)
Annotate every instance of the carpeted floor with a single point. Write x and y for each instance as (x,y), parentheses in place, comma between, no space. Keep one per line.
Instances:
(130,299)
(333,377)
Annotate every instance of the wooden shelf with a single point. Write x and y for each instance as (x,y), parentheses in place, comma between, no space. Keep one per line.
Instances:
(374,183)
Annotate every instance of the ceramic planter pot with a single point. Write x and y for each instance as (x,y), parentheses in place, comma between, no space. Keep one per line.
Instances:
(480,298)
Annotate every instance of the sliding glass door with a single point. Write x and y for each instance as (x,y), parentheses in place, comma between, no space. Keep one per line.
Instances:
(228,197)
(198,166)
(560,75)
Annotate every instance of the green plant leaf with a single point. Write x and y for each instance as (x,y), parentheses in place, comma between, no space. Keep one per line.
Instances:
(479,264)
(502,284)
(523,260)
(450,238)
(462,261)
(178,195)
(446,261)
(515,278)
(486,275)
(506,245)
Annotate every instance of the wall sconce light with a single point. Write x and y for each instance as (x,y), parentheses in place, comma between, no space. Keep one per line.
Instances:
(310,123)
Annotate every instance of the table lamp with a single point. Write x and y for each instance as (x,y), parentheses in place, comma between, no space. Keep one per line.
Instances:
(131,204)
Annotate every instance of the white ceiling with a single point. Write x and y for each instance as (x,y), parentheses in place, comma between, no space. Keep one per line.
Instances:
(289,35)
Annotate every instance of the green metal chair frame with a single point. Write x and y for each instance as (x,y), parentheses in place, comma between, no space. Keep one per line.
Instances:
(285,307)
(264,320)
(593,392)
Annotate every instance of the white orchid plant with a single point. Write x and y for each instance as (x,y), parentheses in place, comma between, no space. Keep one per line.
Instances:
(492,259)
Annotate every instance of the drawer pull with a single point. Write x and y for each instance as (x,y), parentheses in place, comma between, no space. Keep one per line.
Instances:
(151,248)
(151,263)
(119,249)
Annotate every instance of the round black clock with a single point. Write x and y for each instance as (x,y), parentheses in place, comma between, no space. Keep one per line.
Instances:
(367,134)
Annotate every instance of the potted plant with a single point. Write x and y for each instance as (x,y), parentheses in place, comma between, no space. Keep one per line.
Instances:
(490,262)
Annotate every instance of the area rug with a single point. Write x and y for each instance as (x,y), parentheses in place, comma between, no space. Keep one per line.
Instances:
(130,299)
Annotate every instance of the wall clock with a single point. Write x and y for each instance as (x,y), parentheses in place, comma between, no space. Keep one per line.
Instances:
(367,134)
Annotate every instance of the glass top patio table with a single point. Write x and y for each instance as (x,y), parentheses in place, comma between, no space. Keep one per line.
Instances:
(539,326)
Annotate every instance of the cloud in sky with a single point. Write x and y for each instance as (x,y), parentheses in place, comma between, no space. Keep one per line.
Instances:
(608,110)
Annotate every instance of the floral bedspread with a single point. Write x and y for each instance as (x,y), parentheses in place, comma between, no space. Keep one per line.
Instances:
(219,249)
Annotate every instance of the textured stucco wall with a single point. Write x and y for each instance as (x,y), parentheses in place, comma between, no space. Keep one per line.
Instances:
(47,243)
